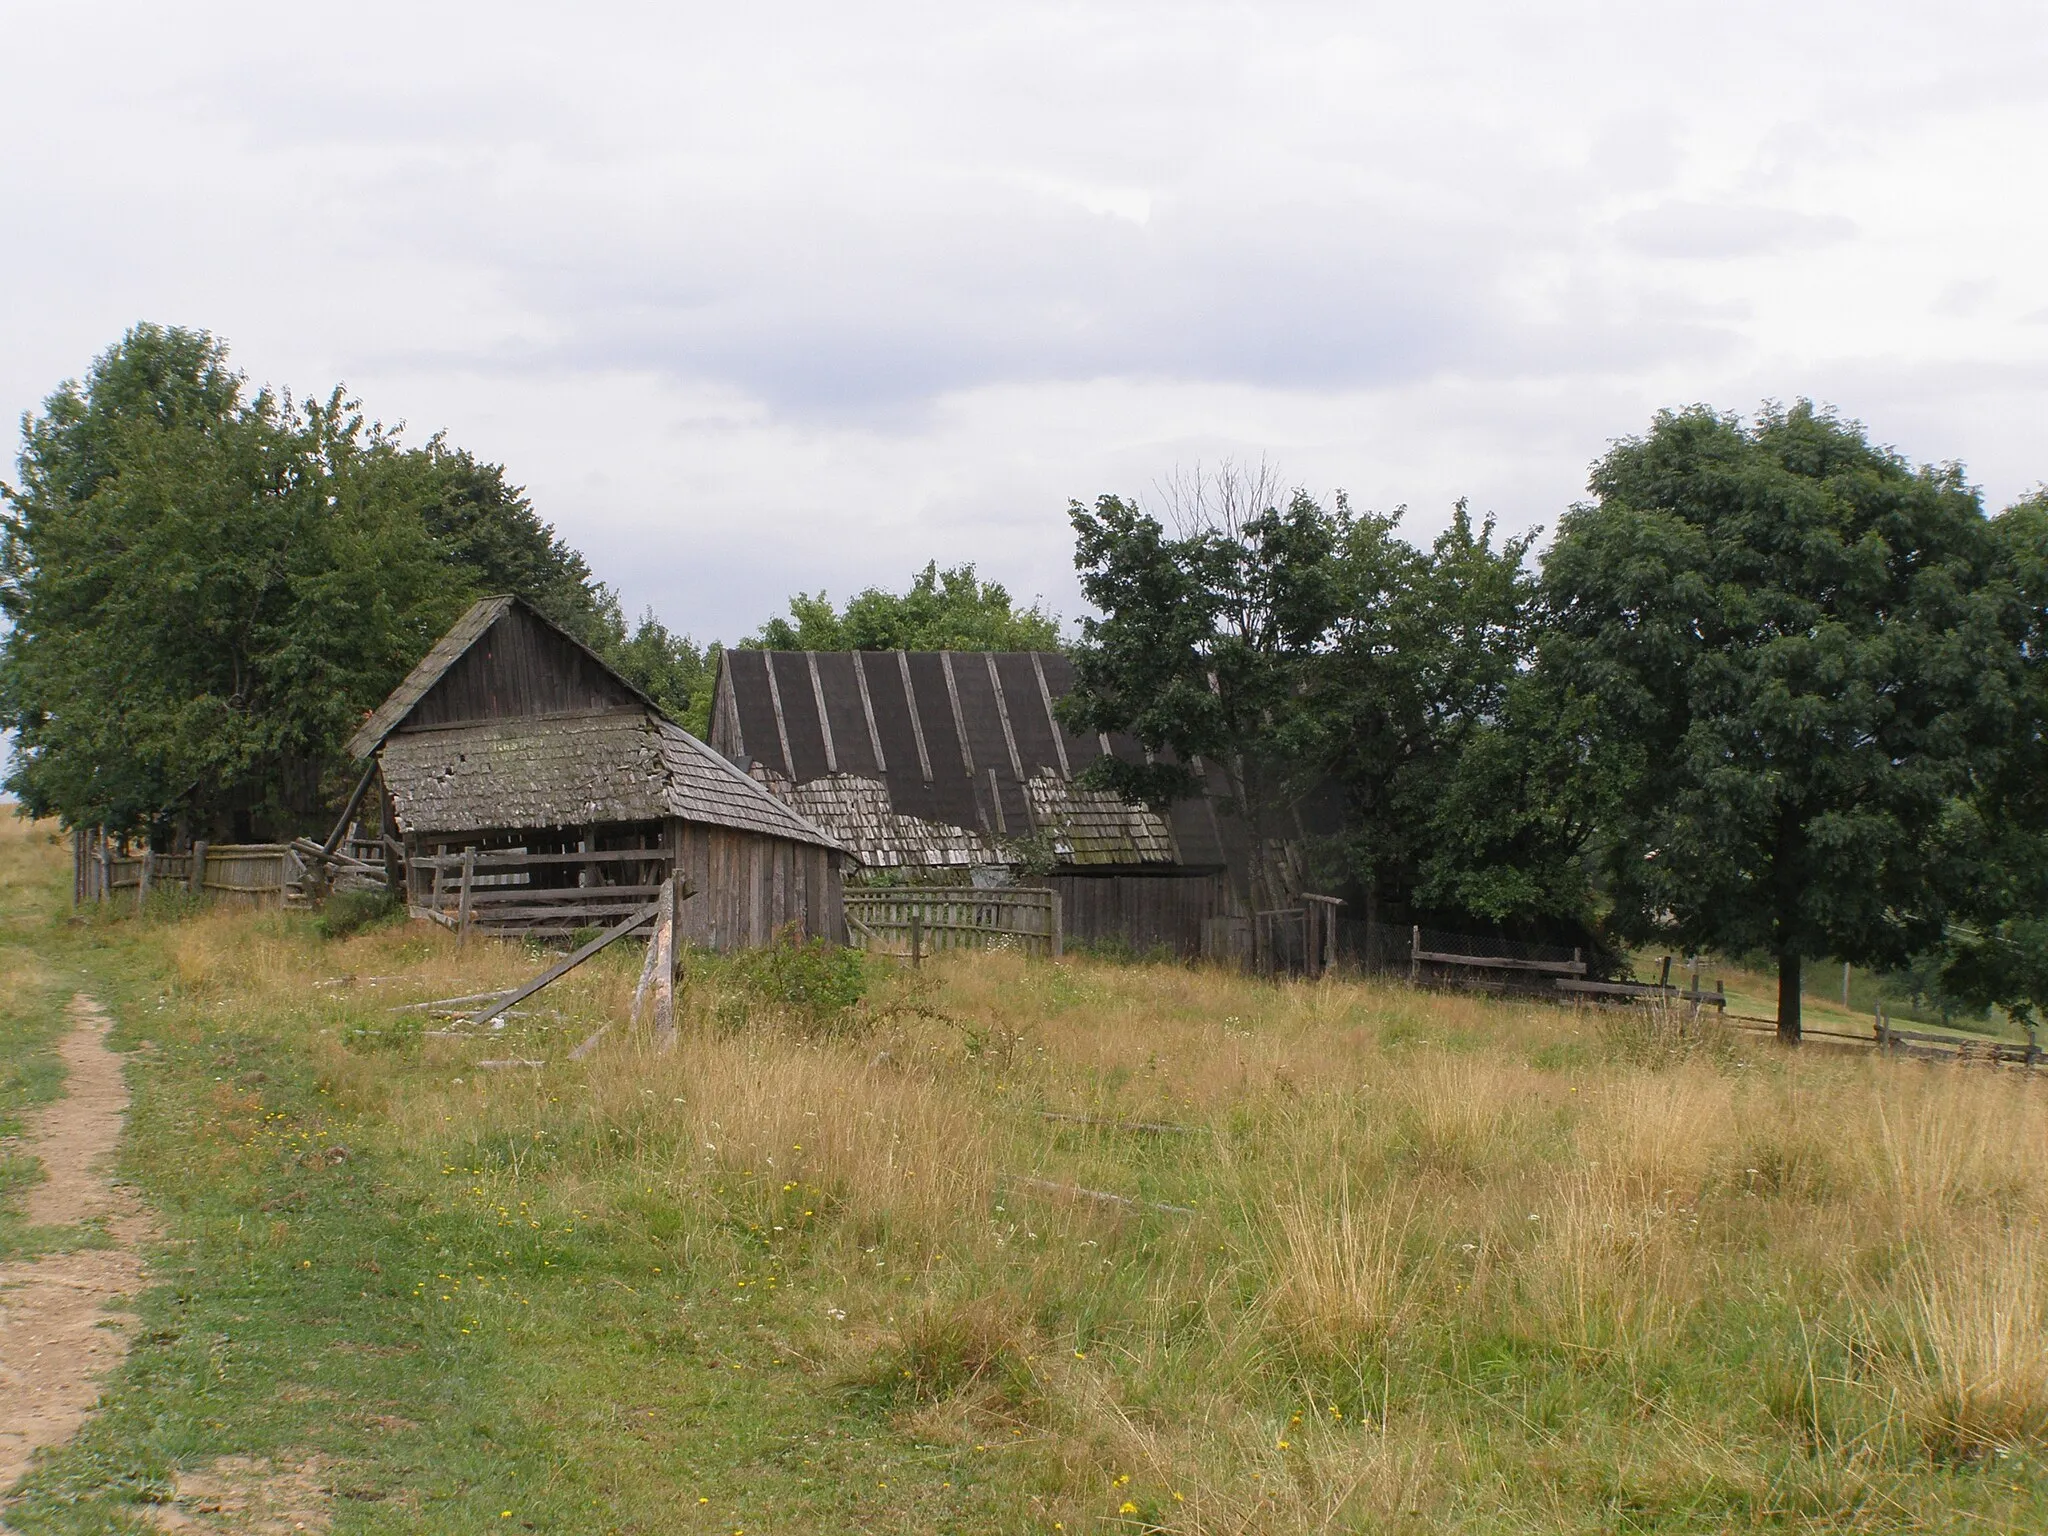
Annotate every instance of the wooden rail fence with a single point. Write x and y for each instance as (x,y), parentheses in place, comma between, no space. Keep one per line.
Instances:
(536,895)
(913,921)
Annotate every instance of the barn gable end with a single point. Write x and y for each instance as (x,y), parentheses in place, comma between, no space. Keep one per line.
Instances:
(500,661)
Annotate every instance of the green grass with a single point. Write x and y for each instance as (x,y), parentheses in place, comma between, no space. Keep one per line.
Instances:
(797,1280)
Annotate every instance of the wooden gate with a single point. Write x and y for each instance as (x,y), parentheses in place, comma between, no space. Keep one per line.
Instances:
(912,921)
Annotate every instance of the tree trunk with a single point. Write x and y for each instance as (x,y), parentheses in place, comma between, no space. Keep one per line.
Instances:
(1788,998)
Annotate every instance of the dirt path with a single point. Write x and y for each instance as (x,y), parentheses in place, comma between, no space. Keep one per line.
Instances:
(64,1321)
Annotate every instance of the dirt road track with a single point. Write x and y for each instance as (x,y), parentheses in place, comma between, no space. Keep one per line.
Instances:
(64,1319)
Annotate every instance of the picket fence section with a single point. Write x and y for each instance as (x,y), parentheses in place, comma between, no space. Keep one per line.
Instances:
(258,874)
(913,921)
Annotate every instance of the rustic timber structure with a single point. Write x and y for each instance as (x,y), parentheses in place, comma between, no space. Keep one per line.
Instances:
(935,764)
(533,789)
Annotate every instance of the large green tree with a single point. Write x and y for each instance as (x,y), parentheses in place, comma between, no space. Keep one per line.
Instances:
(207,588)
(1996,950)
(1464,789)
(949,610)
(672,669)
(1204,646)
(1810,646)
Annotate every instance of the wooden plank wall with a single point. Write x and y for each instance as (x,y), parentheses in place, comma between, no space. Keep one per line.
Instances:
(519,668)
(1145,913)
(749,887)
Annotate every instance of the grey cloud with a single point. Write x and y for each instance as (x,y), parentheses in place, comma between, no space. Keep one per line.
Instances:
(1715,231)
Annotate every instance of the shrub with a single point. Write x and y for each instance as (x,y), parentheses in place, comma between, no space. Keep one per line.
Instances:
(348,912)
(818,983)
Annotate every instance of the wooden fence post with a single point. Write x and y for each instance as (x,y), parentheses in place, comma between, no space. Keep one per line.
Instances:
(142,881)
(664,942)
(462,904)
(1415,955)
(106,867)
(646,982)
(916,937)
(196,883)
(1059,935)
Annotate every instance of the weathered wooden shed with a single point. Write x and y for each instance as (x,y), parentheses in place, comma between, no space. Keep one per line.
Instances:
(513,738)
(934,763)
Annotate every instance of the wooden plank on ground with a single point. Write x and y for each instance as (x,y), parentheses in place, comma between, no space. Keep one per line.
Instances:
(556,972)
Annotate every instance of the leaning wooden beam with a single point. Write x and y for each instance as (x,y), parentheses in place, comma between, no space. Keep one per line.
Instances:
(348,812)
(590,1041)
(556,972)
(644,985)
(312,850)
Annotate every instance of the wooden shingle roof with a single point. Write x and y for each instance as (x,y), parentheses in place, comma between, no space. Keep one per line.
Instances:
(576,770)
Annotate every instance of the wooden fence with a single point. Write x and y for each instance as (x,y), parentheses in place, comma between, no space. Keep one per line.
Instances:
(258,874)
(1296,941)
(1494,960)
(912,921)
(536,895)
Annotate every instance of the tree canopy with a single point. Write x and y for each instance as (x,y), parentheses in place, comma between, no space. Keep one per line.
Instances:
(1773,688)
(1811,648)
(949,610)
(207,587)
(1298,649)
(1201,648)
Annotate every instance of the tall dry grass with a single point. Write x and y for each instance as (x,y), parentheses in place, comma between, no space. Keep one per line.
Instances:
(1448,1257)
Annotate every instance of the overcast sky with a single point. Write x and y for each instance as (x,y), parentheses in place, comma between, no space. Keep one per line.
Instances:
(757,298)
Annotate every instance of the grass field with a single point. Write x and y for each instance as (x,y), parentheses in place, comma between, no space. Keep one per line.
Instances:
(1377,1260)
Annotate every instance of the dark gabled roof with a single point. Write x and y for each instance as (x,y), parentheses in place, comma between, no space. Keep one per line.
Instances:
(961,741)
(482,616)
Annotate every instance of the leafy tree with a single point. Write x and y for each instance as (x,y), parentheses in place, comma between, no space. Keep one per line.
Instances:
(1205,644)
(208,588)
(1463,782)
(1809,646)
(951,610)
(671,669)
(1996,951)
(488,529)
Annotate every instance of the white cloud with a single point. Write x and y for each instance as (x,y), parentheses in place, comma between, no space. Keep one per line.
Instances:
(758,300)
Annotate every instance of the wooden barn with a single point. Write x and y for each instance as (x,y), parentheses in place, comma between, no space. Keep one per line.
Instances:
(534,790)
(944,764)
